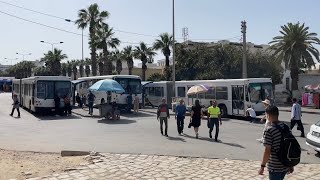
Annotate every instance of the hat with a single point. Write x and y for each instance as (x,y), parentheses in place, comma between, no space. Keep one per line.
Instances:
(181,100)
(267,101)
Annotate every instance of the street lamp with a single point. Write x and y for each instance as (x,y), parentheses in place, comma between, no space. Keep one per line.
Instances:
(11,60)
(173,52)
(23,55)
(52,43)
(68,20)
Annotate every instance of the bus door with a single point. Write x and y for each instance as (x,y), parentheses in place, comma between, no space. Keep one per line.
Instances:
(238,100)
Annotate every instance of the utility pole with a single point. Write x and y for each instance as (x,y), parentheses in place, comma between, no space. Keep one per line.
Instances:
(173,52)
(244,59)
(185,35)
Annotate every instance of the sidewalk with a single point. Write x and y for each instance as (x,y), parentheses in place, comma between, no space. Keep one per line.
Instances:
(309,110)
(129,166)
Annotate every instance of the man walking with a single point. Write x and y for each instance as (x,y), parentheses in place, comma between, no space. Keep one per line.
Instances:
(272,143)
(15,105)
(180,116)
(296,116)
(214,119)
(136,102)
(163,114)
(91,98)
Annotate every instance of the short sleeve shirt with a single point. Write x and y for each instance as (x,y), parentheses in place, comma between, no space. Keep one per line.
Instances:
(272,138)
(214,111)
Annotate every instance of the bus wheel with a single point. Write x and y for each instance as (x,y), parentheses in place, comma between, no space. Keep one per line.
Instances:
(224,111)
(102,101)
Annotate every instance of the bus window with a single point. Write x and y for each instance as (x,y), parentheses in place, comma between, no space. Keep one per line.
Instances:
(135,86)
(62,88)
(49,90)
(181,92)
(158,91)
(222,93)
(266,91)
(41,90)
(255,92)
(211,94)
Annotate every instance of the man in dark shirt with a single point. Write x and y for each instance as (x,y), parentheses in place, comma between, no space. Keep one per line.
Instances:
(180,116)
(272,142)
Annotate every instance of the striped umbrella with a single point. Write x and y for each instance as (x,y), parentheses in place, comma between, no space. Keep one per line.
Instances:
(312,87)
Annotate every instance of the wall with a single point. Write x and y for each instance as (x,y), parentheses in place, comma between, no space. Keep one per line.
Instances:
(306,79)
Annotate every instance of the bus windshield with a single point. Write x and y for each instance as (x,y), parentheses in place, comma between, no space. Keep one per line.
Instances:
(130,85)
(48,89)
(260,91)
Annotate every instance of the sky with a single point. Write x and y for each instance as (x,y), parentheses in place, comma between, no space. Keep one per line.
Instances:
(206,20)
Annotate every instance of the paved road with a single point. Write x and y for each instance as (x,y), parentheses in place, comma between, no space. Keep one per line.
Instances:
(136,134)
(128,166)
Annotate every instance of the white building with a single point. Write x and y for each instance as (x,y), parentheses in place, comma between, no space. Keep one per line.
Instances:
(4,67)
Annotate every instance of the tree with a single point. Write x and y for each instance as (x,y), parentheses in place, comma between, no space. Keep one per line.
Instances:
(21,70)
(93,18)
(145,54)
(69,69)
(81,69)
(41,71)
(105,41)
(156,77)
(164,44)
(87,67)
(128,56)
(74,64)
(52,61)
(117,56)
(64,69)
(295,48)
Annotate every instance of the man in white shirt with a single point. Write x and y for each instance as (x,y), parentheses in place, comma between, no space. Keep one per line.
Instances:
(251,114)
(296,116)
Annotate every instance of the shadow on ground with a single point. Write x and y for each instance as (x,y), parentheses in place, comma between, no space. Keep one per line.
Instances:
(212,140)
(121,121)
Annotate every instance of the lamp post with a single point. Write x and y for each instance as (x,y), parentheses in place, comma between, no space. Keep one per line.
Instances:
(9,59)
(173,52)
(52,44)
(23,55)
(68,20)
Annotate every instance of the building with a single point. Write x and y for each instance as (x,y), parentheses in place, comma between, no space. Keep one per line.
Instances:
(3,68)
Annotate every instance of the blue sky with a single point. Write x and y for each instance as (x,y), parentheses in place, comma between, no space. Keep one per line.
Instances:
(206,19)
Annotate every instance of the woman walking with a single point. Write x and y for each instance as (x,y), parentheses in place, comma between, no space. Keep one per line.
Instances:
(196,115)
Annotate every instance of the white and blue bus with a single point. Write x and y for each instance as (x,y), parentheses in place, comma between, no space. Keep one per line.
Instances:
(37,93)
(232,95)
(130,83)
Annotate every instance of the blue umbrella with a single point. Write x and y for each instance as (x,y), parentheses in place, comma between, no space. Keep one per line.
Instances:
(107,85)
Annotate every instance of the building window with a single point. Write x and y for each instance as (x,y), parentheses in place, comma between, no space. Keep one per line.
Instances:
(181,92)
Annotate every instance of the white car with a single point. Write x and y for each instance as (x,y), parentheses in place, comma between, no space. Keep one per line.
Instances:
(313,137)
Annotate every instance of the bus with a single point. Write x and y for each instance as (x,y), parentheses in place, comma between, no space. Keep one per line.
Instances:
(37,93)
(130,83)
(233,95)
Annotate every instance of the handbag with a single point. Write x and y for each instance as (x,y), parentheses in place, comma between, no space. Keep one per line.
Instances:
(190,123)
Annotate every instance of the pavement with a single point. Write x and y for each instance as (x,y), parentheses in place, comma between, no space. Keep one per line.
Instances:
(152,167)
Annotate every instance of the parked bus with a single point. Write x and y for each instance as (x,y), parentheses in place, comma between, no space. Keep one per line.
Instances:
(37,93)
(233,95)
(130,83)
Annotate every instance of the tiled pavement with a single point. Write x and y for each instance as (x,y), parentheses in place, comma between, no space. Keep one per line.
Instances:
(128,166)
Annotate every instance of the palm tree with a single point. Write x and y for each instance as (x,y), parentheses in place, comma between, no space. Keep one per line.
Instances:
(117,56)
(64,69)
(105,41)
(87,67)
(128,56)
(93,18)
(74,69)
(295,48)
(69,68)
(81,69)
(164,44)
(52,61)
(145,54)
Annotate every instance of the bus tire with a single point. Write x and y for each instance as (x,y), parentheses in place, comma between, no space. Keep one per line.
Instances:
(224,110)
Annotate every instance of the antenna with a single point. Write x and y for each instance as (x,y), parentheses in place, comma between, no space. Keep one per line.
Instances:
(185,34)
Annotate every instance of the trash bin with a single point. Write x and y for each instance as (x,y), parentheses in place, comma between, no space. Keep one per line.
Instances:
(105,110)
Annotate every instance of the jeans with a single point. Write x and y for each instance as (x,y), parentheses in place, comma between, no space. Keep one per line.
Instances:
(214,122)
(277,175)
(165,120)
(300,126)
(90,107)
(180,124)
(13,111)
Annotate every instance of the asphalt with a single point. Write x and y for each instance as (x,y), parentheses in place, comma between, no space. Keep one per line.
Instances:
(135,134)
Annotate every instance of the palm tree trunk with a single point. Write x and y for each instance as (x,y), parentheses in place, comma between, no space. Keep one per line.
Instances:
(167,61)
(144,69)
(94,60)
(130,66)
(295,78)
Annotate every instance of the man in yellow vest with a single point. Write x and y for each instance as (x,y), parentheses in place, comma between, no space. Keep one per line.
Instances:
(214,115)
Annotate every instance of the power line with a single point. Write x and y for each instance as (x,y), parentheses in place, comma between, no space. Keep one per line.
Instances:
(59,29)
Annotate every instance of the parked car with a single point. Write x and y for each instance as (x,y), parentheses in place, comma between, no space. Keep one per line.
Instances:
(313,137)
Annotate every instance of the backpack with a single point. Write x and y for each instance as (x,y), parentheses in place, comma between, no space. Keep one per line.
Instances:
(289,152)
